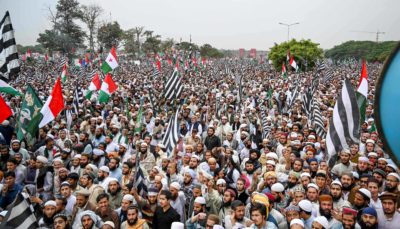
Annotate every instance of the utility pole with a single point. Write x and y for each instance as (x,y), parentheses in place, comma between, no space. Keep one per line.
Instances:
(288,28)
(378,33)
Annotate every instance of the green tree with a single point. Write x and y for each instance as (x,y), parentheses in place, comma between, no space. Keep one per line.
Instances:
(138,31)
(65,33)
(34,48)
(129,41)
(167,44)
(208,51)
(186,46)
(90,16)
(369,50)
(305,53)
(152,42)
(109,35)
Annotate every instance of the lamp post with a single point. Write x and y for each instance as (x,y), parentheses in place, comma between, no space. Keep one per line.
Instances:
(288,27)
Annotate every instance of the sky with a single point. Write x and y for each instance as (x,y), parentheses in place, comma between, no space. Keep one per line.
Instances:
(229,24)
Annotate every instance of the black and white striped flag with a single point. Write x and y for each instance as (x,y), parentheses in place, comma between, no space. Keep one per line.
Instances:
(62,61)
(156,73)
(173,87)
(317,119)
(139,181)
(344,126)
(90,75)
(9,62)
(306,102)
(328,75)
(171,135)
(266,127)
(314,85)
(293,97)
(78,99)
(20,215)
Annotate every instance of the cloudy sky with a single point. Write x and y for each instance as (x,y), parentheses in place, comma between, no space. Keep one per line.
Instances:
(230,24)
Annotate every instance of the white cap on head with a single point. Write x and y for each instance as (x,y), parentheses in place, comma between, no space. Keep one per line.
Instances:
(200,200)
(306,205)
(312,185)
(363,159)
(322,220)
(305,175)
(105,169)
(98,152)
(50,203)
(297,221)
(370,141)
(365,192)
(42,159)
(221,181)
(272,155)
(337,182)
(177,225)
(277,187)
(175,185)
(128,197)
(109,223)
(394,175)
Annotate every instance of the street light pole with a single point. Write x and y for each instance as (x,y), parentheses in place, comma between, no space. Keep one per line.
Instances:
(288,28)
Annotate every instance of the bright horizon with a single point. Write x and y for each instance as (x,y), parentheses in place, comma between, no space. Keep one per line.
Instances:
(230,24)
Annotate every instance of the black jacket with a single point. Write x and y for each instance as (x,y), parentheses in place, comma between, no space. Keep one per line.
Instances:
(163,219)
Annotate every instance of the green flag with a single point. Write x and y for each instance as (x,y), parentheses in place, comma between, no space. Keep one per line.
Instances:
(29,116)
(128,113)
(138,126)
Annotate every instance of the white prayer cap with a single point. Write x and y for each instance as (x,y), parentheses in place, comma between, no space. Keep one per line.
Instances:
(200,200)
(221,181)
(277,187)
(98,152)
(312,185)
(297,221)
(394,175)
(306,205)
(42,159)
(323,221)
(177,225)
(128,197)
(175,185)
(50,203)
(104,169)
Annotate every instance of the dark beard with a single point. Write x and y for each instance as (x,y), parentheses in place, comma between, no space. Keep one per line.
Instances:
(100,178)
(364,226)
(390,189)
(250,172)
(291,185)
(47,220)
(227,204)
(131,222)
(336,198)
(328,216)
(348,188)
(187,183)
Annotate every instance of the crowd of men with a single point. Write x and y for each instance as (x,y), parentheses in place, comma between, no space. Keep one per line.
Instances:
(225,171)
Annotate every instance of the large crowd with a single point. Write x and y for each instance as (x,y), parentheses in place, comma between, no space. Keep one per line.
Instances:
(224,172)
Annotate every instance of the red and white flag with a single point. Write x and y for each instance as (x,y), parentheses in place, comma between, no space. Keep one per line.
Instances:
(5,110)
(53,106)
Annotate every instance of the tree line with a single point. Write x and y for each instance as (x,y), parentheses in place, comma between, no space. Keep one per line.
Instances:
(66,35)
